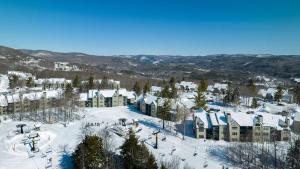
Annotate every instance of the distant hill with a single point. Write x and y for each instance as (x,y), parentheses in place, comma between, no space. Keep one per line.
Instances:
(215,67)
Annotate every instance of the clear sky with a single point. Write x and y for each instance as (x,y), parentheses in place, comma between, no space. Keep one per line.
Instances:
(174,27)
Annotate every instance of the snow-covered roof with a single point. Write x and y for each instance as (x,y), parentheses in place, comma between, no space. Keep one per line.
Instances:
(150,98)
(270,120)
(297,114)
(218,119)
(262,78)
(111,92)
(189,103)
(130,95)
(4,83)
(156,89)
(271,91)
(297,80)
(52,81)
(21,75)
(219,86)
(243,119)
(203,116)
(3,101)
(83,97)
(190,85)
(12,98)
(53,93)
(107,93)
(33,95)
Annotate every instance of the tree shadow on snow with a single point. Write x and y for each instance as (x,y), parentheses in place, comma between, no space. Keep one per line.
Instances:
(220,155)
(150,124)
(188,128)
(132,108)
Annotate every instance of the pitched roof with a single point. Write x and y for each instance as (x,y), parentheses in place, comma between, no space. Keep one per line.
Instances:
(203,116)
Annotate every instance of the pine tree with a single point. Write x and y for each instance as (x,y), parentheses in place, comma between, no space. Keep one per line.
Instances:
(89,154)
(163,166)
(13,81)
(151,164)
(146,88)
(135,155)
(251,87)
(297,94)
(279,93)
(30,82)
(293,155)
(200,99)
(104,83)
(173,93)
(164,111)
(165,93)
(137,88)
(203,85)
(91,82)
(68,90)
(236,96)
(172,81)
(254,103)
(76,81)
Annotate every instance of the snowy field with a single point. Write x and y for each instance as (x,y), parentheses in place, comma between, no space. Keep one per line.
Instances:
(56,142)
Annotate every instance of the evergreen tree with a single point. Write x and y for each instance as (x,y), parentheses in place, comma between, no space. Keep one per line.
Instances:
(164,111)
(30,82)
(137,88)
(251,87)
(151,164)
(163,166)
(172,81)
(254,103)
(135,155)
(297,94)
(104,83)
(165,93)
(279,93)
(68,90)
(91,82)
(203,85)
(89,154)
(13,81)
(293,155)
(236,96)
(76,81)
(173,93)
(200,99)
(146,88)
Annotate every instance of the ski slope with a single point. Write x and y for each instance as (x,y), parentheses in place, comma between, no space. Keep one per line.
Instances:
(62,140)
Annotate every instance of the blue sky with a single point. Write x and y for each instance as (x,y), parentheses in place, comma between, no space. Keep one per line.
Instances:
(185,27)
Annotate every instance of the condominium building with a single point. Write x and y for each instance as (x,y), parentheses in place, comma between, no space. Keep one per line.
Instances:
(108,98)
(235,127)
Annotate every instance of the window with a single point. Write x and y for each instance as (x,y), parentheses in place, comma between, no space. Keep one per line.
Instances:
(234,128)
(234,133)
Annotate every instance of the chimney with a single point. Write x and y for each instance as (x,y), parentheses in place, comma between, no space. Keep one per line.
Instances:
(228,117)
(287,121)
(260,119)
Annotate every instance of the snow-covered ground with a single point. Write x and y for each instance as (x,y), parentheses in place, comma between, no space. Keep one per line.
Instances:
(57,142)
